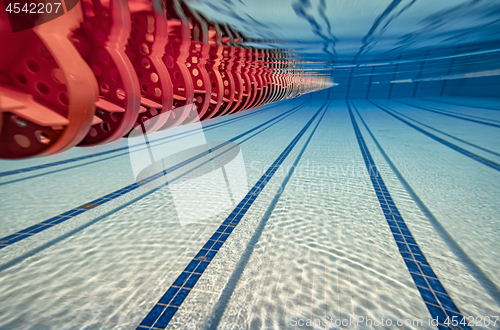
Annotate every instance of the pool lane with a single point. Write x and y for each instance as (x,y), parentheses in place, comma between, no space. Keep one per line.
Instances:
(457,191)
(413,120)
(309,289)
(469,264)
(438,302)
(326,249)
(37,228)
(30,202)
(107,274)
(467,111)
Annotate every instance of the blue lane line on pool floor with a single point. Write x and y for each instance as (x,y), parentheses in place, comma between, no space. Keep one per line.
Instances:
(41,226)
(474,270)
(161,314)
(440,112)
(436,299)
(75,159)
(464,152)
(448,135)
(30,253)
(155,142)
(447,111)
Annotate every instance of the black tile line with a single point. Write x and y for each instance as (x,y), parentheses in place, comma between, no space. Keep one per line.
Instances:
(464,152)
(438,302)
(63,169)
(162,313)
(451,65)
(461,255)
(33,252)
(41,226)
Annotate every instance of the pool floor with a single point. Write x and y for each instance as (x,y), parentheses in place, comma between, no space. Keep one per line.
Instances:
(341,214)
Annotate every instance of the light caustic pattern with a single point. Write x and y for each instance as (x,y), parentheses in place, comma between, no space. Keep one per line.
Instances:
(95,73)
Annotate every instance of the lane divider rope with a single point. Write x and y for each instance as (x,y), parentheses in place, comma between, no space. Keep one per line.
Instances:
(436,298)
(41,226)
